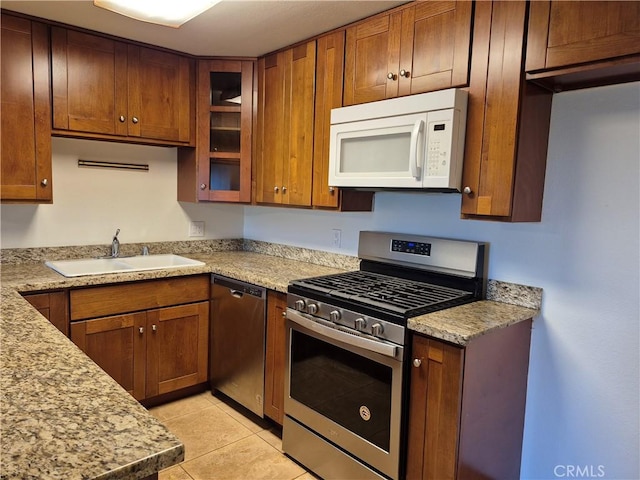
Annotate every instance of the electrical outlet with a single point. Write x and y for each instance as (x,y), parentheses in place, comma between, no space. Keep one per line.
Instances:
(337,237)
(196,229)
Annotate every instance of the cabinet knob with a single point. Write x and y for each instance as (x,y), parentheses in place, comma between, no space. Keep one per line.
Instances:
(203,186)
(134,119)
(417,362)
(141,329)
(404,73)
(276,189)
(391,76)
(122,118)
(284,314)
(284,189)
(44,182)
(332,189)
(466,190)
(154,328)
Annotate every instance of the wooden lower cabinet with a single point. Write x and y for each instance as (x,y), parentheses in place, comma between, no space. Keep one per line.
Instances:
(149,353)
(275,356)
(467,405)
(54,306)
(150,336)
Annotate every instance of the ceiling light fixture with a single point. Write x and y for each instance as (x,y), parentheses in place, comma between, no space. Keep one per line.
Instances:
(164,12)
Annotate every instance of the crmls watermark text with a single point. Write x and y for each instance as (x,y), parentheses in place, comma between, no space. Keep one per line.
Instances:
(579,471)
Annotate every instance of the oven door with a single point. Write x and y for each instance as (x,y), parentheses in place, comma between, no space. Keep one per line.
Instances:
(346,389)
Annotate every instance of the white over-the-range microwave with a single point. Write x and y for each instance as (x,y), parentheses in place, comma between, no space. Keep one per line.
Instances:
(408,142)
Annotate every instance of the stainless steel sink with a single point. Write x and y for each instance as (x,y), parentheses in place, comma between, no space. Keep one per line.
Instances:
(100,266)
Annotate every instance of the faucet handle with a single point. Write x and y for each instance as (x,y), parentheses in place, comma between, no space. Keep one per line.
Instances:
(145,250)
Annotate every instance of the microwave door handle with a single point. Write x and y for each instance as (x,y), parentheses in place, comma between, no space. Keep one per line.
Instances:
(415,159)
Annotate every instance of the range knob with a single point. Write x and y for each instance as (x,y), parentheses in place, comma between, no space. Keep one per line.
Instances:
(300,305)
(360,324)
(334,316)
(312,308)
(377,329)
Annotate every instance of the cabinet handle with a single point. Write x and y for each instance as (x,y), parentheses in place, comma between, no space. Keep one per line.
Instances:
(122,118)
(417,362)
(154,328)
(404,73)
(276,189)
(332,190)
(467,190)
(284,189)
(134,119)
(203,186)
(44,182)
(141,329)
(391,76)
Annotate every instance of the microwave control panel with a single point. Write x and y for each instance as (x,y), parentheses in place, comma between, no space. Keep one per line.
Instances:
(438,148)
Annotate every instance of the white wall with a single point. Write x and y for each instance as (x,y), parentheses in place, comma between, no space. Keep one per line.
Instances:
(583,395)
(90,203)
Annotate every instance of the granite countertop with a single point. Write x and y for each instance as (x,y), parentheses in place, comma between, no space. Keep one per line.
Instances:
(63,417)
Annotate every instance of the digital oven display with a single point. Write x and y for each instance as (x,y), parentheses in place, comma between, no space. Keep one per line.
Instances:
(416,248)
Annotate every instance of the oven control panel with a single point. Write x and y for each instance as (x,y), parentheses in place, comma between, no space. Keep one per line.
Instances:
(416,248)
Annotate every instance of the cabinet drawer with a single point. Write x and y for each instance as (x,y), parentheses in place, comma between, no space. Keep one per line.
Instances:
(130,297)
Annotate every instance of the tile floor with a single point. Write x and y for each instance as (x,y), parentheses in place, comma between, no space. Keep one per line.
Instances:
(221,443)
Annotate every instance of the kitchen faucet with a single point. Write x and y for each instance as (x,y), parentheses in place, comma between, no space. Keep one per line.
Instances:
(115,245)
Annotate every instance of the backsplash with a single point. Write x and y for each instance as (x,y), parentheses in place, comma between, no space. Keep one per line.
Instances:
(514,294)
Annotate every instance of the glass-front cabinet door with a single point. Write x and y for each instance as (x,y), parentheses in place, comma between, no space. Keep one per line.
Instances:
(224,130)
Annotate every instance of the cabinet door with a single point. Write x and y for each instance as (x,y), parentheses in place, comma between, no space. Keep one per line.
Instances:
(507,121)
(329,75)
(275,356)
(89,83)
(372,59)
(434,47)
(300,65)
(434,409)
(271,140)
(177,347)
(117,344)
(225,109)
(54,306)
(159,95)
(285,126)
(25,164)
(564,33)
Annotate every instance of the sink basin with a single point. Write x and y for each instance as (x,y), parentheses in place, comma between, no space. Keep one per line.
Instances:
(100,266)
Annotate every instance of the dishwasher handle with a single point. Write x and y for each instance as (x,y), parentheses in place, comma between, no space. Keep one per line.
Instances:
(237,288)
(236,293)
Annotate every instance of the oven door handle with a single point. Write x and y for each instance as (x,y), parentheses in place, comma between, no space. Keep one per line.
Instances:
(335,334)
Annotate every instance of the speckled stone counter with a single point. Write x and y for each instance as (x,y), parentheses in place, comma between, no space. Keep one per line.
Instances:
(64,418)
(461,324)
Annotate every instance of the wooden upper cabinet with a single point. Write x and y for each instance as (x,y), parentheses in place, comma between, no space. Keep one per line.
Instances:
(104,88)
(565,33)
(25,163)
(285,126)
(416,49)
(329,76)
(583,43)
(219,169)
(507,121)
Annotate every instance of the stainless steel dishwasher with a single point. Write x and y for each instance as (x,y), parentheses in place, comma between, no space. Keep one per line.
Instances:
(236,360)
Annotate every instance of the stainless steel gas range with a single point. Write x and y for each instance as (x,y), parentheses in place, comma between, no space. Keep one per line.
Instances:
(346,380)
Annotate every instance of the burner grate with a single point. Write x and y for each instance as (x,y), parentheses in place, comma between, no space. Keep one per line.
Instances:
(382,291)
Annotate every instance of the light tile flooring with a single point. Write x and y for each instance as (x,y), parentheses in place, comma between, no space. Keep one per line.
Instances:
(221,443)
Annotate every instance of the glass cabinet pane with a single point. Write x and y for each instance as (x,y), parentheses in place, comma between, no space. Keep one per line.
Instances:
(224,174)
(225,132)
(226,89)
